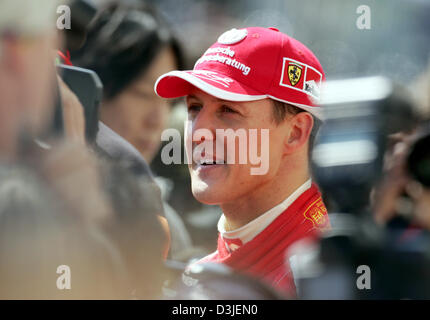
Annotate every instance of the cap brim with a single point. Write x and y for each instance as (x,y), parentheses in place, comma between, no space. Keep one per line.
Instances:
(177,84)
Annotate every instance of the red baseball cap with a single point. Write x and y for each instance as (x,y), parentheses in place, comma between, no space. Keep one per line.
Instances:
(251,64)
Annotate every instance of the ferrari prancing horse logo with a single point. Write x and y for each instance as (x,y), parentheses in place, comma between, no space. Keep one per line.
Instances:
(294,73)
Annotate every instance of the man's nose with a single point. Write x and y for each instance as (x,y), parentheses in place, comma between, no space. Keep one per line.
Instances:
(204,126)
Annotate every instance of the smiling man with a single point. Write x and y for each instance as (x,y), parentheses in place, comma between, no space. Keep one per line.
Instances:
(255,80)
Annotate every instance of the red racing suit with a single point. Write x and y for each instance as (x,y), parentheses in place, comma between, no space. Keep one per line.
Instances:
(264,256)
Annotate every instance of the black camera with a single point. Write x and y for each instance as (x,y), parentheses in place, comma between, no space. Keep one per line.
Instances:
(418,161)
(348,154)
(85,83)
(358,259)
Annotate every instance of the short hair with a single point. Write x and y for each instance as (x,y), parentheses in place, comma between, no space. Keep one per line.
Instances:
(282,109)
(138,33)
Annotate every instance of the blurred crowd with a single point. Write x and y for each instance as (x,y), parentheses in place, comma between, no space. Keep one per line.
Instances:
(123,222)
(93,206)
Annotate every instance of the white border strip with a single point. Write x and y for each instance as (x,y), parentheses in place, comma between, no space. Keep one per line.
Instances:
(206,87)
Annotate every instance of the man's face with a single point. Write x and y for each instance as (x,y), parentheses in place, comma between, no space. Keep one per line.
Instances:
(225,183)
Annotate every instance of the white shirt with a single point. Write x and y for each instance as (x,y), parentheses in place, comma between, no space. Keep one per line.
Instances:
(249,231)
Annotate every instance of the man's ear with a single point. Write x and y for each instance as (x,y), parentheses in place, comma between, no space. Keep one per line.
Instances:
(300,129)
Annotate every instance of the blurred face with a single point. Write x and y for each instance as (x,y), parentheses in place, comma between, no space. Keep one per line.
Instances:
(31,78)
(137,113)
(224,183)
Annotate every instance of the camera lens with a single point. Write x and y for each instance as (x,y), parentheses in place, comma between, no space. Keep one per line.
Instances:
(419,160)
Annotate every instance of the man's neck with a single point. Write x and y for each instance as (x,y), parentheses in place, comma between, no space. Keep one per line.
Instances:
(242,211)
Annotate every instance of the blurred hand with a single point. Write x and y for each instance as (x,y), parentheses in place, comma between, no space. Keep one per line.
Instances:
(395,178)
(72,171)
(166,229)
(73,114)
(422,207)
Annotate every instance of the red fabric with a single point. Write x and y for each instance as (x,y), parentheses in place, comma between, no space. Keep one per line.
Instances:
(257,63)
(66,58)
(264,256)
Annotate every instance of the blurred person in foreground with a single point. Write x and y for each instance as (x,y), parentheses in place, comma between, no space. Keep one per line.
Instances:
(27,75)
(135,230)
(56,217)
(129,46)
(28,42)
(70,208)
(255,78)
(102,195)
(40,236)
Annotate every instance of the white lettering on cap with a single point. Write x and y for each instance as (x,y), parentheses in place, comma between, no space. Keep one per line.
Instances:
(232,36)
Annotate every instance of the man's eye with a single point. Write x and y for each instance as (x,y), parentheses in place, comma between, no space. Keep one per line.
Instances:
(194,108)
(227,109)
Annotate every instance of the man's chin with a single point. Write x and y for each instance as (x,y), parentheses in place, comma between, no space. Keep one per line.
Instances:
(207,195)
